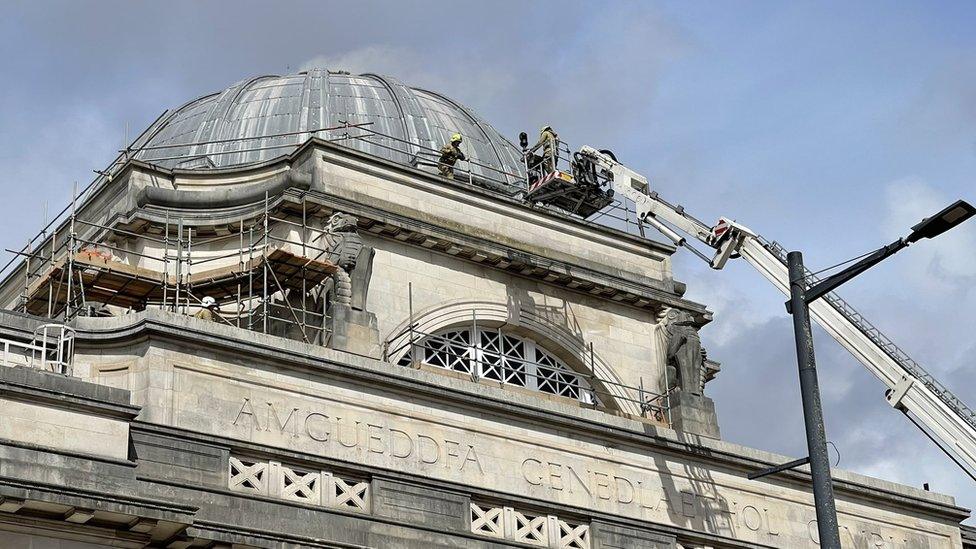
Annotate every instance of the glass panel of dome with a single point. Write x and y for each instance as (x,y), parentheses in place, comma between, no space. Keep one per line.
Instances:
(315,99)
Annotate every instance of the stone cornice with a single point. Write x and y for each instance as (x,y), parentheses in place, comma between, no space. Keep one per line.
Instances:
(123,503)
(337,154)
(66,393)
(624,288)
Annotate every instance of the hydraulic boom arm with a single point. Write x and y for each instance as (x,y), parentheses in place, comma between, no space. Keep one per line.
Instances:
(726,237)
(944,418)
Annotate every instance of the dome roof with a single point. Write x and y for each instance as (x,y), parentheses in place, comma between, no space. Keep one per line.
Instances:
(207,132)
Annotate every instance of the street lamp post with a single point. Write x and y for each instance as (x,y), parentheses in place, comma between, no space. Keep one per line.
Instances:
(823,490)
(800,298)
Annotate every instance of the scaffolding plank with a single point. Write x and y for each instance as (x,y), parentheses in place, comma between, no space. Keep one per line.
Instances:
(116,283)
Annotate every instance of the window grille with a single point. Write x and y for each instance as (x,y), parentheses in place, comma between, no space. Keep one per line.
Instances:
(451,350)
(493,354)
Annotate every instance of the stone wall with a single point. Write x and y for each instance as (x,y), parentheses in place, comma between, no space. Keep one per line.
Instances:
(622,337)
(364,418)
(500,221)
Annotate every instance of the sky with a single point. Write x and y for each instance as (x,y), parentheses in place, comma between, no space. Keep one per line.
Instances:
(830,127)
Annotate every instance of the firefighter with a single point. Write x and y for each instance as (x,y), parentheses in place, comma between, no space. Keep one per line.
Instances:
(450,154)
(209,310)
(549,142)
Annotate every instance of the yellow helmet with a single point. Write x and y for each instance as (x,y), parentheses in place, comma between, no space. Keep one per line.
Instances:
(456,138)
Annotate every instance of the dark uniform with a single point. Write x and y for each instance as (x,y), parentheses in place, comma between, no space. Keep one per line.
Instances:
(450,154)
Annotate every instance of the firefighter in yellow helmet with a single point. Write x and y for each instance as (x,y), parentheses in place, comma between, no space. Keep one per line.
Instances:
(210,309)
(450,154)
(549,142)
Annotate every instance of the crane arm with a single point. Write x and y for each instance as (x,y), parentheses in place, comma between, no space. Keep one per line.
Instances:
(909,388)
(726,236)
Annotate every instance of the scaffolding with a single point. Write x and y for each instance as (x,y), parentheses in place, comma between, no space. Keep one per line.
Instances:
(267,279)
(255,286)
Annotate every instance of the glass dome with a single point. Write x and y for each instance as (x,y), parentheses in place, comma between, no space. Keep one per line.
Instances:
(207,132)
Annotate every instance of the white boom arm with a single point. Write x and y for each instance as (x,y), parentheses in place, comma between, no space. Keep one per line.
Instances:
(725,237)
(932,407)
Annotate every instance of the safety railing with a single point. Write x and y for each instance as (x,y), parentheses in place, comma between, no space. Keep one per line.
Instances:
(547,160)
(51,349)
(54,348)
(17,353)
(414,153)
(409,346)
(419,155)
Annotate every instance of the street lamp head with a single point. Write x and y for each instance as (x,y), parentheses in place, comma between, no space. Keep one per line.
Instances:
(953,215)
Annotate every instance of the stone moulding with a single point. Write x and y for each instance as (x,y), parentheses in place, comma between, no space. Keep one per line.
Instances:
(240,195)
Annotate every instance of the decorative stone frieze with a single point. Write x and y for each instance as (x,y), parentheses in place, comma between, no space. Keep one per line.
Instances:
(529,528)
(270,478)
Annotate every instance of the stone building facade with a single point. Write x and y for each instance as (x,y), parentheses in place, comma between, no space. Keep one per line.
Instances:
(398,360)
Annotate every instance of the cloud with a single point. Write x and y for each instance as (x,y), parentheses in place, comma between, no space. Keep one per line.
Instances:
(579,82)
(944,108)
(949,259)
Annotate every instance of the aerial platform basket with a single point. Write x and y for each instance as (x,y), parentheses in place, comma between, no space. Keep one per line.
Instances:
(562,190)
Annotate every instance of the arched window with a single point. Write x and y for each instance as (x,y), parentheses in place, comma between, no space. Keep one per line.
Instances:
(494,354)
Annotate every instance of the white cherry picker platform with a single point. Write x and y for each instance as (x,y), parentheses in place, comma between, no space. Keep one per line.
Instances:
(942,416)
